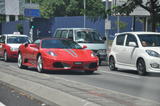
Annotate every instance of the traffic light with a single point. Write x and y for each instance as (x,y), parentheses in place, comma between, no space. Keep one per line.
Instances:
(32,25)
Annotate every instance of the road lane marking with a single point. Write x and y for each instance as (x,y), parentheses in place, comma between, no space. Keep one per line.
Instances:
(123,74)
(1,104)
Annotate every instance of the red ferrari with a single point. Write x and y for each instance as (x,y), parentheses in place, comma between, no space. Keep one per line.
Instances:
(57,54)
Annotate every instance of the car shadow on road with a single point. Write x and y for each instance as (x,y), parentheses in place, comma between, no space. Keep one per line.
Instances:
(153,74)
(133,72)
(69,72)
(10,61)
(128,71)
(63,72)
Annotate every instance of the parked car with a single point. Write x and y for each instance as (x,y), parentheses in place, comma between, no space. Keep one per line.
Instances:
(136,51)
(57,54)
(85,36)
(9,44)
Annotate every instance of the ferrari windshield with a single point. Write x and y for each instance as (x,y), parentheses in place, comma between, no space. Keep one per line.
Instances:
(64,44)
(88,36)
(17,39)
(149,40)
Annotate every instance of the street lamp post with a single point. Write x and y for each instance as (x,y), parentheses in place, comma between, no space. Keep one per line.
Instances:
(84,22)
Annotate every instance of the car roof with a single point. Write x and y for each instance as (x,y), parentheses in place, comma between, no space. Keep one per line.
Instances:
(75,29)
(15,35)
(138,33)
(53,39)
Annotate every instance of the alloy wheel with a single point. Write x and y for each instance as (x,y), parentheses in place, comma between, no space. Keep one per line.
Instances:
(112,64)
(40,64)
(141,67)
(20,61)
(5,56)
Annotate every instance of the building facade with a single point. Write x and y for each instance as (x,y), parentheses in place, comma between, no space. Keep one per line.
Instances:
(15,8)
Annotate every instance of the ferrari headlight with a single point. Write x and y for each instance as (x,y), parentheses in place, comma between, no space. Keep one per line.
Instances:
(13,49)
(51,53)
(152,53)
(93,54)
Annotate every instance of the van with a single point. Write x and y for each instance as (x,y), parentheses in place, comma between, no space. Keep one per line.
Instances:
(85,36)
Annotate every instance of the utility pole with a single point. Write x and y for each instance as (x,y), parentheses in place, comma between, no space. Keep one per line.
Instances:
(84,22)
(107,28)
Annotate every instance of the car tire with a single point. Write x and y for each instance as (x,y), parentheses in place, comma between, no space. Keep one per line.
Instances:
(5,56)
(20,62)
(100,62)
(40,64)
(112,66)
(89,72)
(141,67)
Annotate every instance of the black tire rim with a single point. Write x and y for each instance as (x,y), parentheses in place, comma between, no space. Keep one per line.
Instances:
(112,63)
(141,67)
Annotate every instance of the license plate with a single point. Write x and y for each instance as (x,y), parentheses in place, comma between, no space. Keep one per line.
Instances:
(78,63)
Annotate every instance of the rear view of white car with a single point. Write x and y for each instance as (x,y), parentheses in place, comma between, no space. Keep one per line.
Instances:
(136,51)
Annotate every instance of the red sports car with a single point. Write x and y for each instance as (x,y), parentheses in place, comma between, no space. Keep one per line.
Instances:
(57,54)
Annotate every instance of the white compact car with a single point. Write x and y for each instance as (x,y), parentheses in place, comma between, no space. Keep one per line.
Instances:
(136,51)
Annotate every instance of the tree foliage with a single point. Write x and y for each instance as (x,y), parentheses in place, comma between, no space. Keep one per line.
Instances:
(152,6)
(53,8)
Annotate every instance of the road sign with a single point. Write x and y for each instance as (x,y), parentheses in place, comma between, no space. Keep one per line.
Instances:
(32,12)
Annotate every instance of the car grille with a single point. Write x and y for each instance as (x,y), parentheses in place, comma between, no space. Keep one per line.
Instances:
(92,65)
(60,65)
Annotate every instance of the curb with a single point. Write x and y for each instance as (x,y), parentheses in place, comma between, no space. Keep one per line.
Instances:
(52,96)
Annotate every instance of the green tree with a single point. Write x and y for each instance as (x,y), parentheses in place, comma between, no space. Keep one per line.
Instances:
(152,6)
(53,8)
(20,28)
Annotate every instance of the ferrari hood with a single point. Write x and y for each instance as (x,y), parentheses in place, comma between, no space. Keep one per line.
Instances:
(72,54)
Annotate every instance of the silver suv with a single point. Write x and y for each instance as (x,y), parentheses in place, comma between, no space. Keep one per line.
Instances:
(85,36)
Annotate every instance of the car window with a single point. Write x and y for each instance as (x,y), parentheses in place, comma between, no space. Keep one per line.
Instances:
(17,39)
(120,39)
(149,40)
(64,34)
(58,34)
(70,35)
(88,36)
(2,39)
(130,38)
(64,44)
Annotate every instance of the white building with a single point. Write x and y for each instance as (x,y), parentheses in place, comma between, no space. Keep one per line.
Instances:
(15,8)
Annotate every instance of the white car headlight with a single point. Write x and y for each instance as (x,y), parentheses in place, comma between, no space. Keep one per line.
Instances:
(152,53)
(93,54)
(13,49)
(51,53)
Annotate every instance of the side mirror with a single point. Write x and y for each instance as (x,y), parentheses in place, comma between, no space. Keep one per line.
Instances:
(104,38)
(132,44)
(34,45)
(84,46)
(26,44)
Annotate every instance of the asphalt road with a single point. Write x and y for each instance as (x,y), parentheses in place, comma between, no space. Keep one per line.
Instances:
(13,97)
(125,81)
